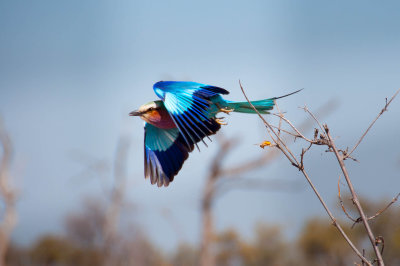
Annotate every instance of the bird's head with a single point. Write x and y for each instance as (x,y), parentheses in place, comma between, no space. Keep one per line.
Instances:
(148,111)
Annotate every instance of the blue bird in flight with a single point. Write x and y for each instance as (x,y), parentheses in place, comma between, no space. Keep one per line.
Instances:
(185,115)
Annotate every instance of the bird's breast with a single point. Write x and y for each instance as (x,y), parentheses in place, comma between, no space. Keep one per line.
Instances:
(160,118)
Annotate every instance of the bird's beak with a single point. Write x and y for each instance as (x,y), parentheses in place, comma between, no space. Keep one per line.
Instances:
(135,113)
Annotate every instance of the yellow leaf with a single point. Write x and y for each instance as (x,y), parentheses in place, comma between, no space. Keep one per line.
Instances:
(265,143)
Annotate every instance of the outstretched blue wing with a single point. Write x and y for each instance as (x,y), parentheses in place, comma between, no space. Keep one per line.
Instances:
(189,105)
(164,154)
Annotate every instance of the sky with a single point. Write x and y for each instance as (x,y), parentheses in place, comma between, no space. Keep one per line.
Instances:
(71,71)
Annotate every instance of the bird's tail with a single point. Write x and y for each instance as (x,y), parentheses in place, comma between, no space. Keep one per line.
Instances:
(262,106)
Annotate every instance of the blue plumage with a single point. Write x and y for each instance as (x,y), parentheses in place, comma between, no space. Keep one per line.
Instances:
(165,152)
(184,116)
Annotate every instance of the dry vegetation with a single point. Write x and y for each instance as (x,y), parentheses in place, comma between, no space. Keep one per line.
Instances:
(317,244)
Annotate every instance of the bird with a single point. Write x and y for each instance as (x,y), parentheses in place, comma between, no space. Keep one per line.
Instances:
(185,115)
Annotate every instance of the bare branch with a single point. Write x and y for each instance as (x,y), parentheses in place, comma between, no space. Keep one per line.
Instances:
(380,240)
(312,115)
(286,131)
(342,205)
(373,122)
(280,118)
(384,209)
(299,134)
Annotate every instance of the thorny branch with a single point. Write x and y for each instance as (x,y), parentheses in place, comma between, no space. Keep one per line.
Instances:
(326,139)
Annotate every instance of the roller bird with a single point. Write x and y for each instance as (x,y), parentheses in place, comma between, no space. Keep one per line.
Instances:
(185,115)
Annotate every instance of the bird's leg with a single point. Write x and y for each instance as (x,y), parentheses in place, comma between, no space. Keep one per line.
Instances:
(224,109)
(221,121)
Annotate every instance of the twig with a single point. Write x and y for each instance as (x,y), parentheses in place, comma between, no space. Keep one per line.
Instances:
(287,132)
(380,240)
(341,204)
(384,209)
(303,152)
(312,115)
(373,122)
(280,118)
(359,219)
(293,127)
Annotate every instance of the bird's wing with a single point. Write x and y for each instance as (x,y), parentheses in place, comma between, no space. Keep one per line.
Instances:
(164,154)
(189,106)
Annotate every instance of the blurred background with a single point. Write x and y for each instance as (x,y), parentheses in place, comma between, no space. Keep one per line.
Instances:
(71,71)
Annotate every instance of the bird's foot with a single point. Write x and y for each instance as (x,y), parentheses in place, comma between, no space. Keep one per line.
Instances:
(226,110)
(221,121)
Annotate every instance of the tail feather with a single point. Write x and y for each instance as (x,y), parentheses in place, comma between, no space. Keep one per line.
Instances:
(287,94)
(262,106)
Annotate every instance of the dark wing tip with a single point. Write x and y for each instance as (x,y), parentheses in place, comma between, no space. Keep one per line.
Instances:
(162,166)
(215,89)
(275,98)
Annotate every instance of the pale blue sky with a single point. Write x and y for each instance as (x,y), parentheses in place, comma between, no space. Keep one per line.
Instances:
(71,71)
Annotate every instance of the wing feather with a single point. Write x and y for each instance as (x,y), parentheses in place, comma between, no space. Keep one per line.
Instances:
(189,105)
(165,152)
